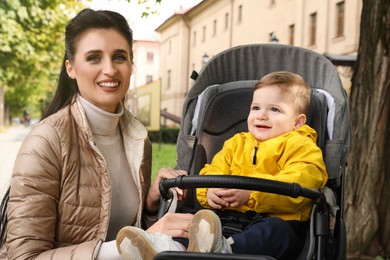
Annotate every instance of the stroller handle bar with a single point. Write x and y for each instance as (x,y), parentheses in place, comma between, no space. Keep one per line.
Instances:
(257,184)
(293,190)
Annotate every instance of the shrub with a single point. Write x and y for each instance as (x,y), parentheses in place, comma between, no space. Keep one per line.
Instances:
(164,135)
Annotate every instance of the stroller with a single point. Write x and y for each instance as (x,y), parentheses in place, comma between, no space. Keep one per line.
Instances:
(216,108)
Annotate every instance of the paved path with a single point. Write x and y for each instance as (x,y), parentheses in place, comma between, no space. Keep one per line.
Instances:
(10,142)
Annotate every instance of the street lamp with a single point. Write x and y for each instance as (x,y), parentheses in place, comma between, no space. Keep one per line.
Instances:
(205,59)
(273,38)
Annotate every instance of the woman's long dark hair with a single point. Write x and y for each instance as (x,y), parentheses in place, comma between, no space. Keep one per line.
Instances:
(67,88)
(87,19)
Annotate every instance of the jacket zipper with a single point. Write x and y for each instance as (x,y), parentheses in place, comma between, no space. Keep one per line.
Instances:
(254,155)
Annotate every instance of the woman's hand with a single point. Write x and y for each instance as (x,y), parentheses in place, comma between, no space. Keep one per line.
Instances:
(153,197)
(172,224)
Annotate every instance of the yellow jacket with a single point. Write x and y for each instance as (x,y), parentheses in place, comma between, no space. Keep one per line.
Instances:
(291,157)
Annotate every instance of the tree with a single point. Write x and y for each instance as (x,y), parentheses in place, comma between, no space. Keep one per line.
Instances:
(31,49)
(368,179)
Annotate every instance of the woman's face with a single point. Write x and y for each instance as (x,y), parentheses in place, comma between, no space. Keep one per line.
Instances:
(102,67)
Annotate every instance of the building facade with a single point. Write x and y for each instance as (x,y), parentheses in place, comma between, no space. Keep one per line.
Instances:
(146,61)
(144,92)
(189,38)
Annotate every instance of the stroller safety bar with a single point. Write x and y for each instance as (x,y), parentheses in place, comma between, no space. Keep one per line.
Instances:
(241,182)
(249,183)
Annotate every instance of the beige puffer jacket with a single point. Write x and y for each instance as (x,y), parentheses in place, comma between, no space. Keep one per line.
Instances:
(60,190)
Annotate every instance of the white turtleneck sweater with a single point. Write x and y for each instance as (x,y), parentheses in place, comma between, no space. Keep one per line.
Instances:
(124,195)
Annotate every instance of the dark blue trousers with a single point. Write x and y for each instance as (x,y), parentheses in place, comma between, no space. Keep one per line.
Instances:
(271,236)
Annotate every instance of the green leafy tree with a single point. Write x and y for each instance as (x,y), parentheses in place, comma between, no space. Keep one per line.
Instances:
(148,8)
(31,49)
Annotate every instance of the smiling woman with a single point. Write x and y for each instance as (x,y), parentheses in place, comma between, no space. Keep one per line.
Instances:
(84,171)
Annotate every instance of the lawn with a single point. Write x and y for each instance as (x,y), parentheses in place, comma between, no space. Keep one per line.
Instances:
(164,156)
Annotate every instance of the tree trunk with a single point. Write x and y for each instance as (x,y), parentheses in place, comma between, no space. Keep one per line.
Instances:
(368,177)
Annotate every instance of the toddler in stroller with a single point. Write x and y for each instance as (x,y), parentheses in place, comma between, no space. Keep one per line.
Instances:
(278,146)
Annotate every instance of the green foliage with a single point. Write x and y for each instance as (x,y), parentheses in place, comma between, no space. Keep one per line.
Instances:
(163,156)
(148,9)
(31,49)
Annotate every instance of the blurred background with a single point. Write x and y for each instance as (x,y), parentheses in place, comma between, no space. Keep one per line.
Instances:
(173,38)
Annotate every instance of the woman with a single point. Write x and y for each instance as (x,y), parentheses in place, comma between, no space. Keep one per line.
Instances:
(83,172)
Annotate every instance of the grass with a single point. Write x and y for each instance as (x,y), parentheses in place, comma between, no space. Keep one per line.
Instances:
(164,156)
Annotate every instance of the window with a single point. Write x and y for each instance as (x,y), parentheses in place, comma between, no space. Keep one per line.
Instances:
(240,13)
(215,27)
(313,28)
(194,38)
(226,20)
(169,79)
(340,7)
(291,32)
(149,78)
(169,47)
(204,34)
(149,56)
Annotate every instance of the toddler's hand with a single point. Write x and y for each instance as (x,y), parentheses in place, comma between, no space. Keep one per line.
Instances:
(234,197)
(214,200)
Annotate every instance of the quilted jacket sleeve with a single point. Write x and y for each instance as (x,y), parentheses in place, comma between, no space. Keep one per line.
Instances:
(34,196)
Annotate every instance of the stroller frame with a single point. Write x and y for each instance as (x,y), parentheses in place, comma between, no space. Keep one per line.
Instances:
(235,71)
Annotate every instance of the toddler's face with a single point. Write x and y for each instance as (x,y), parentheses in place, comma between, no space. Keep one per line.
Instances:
(272,113)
